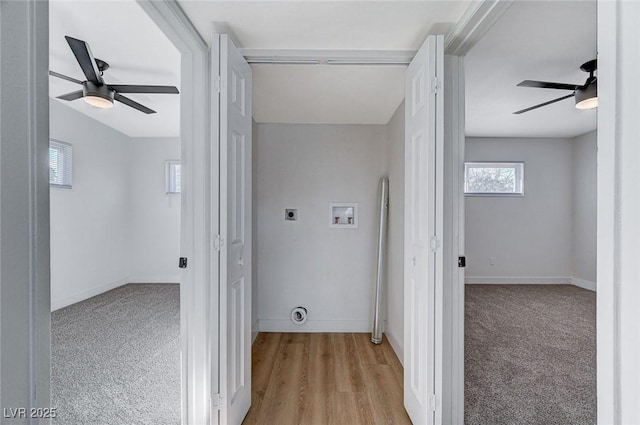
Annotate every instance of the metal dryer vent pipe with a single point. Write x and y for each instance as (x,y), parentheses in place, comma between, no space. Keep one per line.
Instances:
(376,334)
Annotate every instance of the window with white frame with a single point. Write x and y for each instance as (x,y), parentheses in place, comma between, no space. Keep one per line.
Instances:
(60,164)
(172,172)
(494,178)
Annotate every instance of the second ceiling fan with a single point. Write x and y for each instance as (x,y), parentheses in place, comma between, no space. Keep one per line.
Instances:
(586,95)
(94,89)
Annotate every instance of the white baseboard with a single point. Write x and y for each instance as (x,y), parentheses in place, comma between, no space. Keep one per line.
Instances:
(61,302)
(154,279)
(501,280)
(397,348)
(254,331)
(286,325)
(585,284)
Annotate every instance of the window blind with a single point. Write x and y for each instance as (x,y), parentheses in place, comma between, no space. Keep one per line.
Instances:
(60,164)
(173,176)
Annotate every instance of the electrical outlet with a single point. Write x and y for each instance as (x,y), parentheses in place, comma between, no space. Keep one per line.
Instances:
(291,214)
(492,261)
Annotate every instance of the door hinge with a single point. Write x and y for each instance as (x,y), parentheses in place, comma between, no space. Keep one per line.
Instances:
(462,261)
(435,85)
(435,243)
(217,84)
(433,402)
(218,242)
(182,262)
(216,401)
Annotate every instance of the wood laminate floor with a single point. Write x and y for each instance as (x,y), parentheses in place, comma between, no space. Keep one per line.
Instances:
(324,379)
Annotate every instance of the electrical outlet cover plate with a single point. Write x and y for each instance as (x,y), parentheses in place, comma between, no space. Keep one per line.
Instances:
(291,214)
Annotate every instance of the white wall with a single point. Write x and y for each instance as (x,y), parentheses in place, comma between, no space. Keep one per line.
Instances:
(584,209)
(529,237)
(154,215)
(90,226)
(394,328)
(330,271)
(116,225)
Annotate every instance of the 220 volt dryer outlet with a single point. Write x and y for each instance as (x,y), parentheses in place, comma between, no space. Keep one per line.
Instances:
(291,214)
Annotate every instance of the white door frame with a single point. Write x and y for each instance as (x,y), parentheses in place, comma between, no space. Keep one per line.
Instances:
(473,25)
(618,234)
(453,235)
(200,215)
(25,305)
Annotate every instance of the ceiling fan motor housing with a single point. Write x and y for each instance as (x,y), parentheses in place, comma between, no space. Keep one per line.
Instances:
(103,91)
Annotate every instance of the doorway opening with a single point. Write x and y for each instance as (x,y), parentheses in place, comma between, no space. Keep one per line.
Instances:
(115,223)
(530,221)
(331,154)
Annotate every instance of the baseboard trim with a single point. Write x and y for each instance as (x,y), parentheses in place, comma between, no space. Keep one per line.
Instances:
(397,348)
(582,283)
(62,302)
(154,279)
(286,325)
(254,331)
(501,280)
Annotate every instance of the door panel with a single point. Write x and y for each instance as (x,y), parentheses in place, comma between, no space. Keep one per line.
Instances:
(238,158)
(237,381)
(235,225)
(423,233)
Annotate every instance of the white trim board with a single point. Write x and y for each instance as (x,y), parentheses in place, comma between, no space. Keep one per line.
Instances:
(155,279)
(395,345)
(255,331)
(62,302)
(585,284)
(474,24)
(516,280)
(25,306)
(501,280)
(328,57)
(199,215)
(286,325)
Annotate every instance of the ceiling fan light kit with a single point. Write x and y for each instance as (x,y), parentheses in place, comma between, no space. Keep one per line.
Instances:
(586,95)
(95,91)
(98,96)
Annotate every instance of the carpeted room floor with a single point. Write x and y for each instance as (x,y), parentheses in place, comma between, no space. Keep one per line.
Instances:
(530,355)
(116,358)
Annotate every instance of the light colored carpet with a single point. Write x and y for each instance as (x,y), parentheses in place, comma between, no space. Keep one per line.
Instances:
(116,358)
(530,355)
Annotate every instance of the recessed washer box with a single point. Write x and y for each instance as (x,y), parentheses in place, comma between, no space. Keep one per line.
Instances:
(291,214)
(343,215)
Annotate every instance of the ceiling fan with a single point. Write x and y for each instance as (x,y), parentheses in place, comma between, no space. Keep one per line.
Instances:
(586,95)
(94,90)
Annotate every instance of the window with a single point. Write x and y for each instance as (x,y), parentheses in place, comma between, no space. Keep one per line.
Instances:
(60,168)
(172,172)
(494,178)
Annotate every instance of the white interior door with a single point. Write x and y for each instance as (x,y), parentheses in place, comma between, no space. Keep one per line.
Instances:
(423,233)
(234,86)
